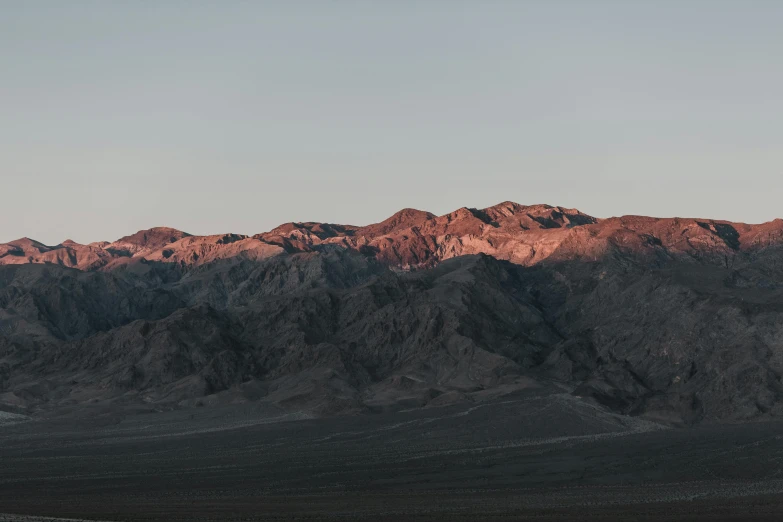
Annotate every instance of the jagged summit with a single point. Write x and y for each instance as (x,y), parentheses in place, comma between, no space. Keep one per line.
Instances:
(153,236)
(26,242)
(405,218)
(146,241)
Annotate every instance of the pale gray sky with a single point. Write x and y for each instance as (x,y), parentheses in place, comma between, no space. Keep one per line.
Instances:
(237,116)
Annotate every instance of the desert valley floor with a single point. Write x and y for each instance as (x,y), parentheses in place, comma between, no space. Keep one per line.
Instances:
(539,454)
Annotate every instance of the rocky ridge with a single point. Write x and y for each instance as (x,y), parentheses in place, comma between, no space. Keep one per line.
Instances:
(674,320)
(414,239)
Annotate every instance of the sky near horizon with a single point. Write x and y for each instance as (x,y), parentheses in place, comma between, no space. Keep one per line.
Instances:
(237,116)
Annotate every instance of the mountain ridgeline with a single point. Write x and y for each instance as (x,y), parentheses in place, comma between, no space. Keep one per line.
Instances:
(673,320)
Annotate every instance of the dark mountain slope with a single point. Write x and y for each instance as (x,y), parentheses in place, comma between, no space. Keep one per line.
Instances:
(460,327)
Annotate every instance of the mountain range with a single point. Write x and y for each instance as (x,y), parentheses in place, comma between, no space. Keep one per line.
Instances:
(673,320)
